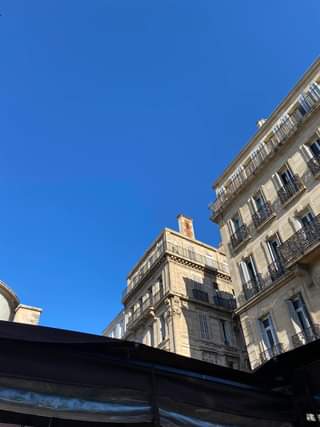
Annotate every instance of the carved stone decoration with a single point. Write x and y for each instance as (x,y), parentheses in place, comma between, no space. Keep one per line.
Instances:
(174,306)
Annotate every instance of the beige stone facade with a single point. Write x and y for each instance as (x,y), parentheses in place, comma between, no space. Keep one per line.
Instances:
(179,298)
(268,207)
(12,310)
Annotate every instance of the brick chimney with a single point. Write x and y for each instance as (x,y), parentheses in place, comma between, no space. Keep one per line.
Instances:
(186,226)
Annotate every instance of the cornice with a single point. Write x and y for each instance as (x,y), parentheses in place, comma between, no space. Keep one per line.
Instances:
(313,70)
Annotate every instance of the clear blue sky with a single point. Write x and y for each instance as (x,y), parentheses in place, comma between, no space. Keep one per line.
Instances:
(116,115)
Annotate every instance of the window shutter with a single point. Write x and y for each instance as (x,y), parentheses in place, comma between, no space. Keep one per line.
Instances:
(231,226)
(263,335)
(277,181)
(306,151)
(252,205)
(274,332)
(303,103)
(244,272)
(294,317)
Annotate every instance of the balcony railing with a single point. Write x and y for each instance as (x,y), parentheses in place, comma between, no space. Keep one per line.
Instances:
(253,287)
(300,242)
(262,214)
(276,270)
(200,295)
(239,236)
(289,189)
(229,303)
(145,307)
(271,352)
(305,336)
(314,165)
(285,128)
(168,247)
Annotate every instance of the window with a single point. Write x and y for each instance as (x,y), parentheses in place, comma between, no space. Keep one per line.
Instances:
(275,267)
(286,183)
(269,332)
(163,328)
(198,289)
(209,356)
(232,362)
(299,313)
(249,272)
(236,223)
(286,176)
(225,329)
(307,219)
(238,230)
(259,201)
(315,148)
(204,327)
(149,337)
(273,245)
(269,338)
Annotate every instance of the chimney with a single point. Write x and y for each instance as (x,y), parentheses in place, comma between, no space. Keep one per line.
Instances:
(186,226)
(261,122)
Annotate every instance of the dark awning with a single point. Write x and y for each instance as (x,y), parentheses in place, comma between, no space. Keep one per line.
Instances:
(73,377)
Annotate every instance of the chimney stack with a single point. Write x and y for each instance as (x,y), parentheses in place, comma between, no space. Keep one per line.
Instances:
(186,226)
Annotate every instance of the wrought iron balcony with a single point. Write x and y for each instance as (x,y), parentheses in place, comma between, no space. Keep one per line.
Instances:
(286,127)
(162,247)
(145,308)
(229,303)
(262,214)
(300,242)
(200,295)
(306,336)
(253,286)
(271,352)
(290,189)
(239,236)
(276,270)
(314,165)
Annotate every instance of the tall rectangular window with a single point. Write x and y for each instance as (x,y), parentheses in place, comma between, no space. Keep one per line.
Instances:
(225,332)
(163,329)
(204,327)
(300,313)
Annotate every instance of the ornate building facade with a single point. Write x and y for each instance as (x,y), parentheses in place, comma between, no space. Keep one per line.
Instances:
(179,297)
(268,207)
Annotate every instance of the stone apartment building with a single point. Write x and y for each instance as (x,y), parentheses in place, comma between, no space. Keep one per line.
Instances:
(268,210)
(12,310)
(117,327)
(179,298)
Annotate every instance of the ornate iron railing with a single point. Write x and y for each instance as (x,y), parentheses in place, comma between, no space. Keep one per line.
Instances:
(286,127)
(239,236)
(271,352)
(253,286)
(145,307)
(160,249)
(229,303)
(276,270)
(262,214)
(300,242)
(314,165)
(200,295)
(290,189)
(305,336)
